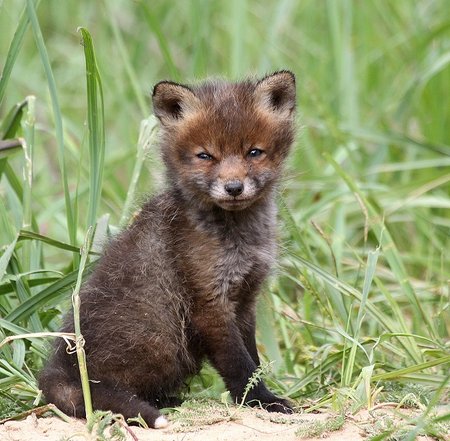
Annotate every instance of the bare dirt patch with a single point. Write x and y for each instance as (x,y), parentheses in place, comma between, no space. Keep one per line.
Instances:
(246,424)
(212,421)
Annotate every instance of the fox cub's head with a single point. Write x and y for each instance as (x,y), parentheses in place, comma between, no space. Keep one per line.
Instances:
(224,143)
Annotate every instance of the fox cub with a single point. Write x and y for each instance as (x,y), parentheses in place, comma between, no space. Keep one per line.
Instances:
(179,285)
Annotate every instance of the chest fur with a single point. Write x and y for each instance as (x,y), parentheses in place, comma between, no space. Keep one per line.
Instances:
(225,265)
(241,264)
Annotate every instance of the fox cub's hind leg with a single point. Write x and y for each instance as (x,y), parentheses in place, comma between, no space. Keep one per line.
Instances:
(126,403)
(68,397)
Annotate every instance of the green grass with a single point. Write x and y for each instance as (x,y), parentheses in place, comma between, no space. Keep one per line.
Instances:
(319,429)
(359,306)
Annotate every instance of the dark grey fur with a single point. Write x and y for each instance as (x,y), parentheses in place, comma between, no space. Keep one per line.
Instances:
(180,284)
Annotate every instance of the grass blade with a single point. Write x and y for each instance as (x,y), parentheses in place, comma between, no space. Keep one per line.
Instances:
(48,296)
(79,341)
(139,96)
(155,27)
(96,128)
(11,123)
(71,226)
(13,52)
(30,235)
(146,141)
(6,256)
(370,272)
(28,149)
(399,373)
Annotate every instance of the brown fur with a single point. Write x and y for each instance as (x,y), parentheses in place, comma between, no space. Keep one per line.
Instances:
(180,284)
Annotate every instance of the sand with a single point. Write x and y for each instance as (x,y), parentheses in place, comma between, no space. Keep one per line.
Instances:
(247,425)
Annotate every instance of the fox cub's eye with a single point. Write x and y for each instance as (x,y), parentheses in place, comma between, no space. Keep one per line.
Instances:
(253,153)
(204,155)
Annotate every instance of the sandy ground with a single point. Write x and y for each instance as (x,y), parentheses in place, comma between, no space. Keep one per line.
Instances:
(248,425)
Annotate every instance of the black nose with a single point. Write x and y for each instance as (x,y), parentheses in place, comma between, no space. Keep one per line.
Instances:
(234,188)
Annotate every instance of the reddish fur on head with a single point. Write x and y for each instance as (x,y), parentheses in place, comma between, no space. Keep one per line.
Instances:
(226,121)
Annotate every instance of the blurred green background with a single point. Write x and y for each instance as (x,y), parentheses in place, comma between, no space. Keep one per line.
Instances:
(362,286)
(372,76)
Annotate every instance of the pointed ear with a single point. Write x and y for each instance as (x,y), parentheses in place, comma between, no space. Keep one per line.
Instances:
(172,102)
(276,93)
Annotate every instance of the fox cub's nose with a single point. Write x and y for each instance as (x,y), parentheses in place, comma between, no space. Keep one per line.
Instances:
(234,188)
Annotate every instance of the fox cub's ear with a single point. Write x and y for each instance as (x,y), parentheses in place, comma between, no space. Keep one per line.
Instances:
(172,101)
(276,93)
